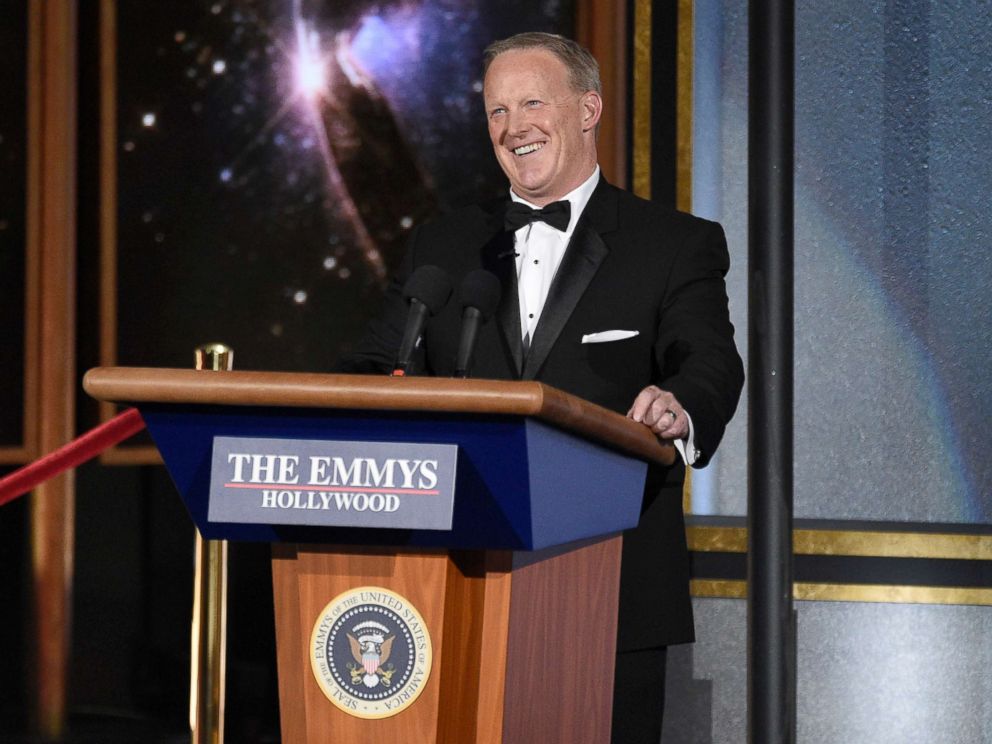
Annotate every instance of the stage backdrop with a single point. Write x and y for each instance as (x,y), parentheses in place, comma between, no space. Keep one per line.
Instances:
(893,329)
(893,347)
(271,158)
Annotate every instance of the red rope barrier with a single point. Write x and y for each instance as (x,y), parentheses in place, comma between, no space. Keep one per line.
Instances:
(71,455)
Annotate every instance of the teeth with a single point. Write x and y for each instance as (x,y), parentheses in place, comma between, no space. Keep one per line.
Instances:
(528,148)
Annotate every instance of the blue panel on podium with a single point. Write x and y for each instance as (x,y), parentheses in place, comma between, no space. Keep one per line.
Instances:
(520,485)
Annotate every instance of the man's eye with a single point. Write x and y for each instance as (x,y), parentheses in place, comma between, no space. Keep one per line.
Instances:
(496,112)
(532,104)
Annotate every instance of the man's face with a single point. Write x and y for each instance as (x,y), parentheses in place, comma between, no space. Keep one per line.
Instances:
(542,130)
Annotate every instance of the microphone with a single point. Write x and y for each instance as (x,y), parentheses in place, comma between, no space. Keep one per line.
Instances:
(427,290)
(479,295)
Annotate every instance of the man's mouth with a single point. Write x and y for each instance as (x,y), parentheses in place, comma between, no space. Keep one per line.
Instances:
(527,149)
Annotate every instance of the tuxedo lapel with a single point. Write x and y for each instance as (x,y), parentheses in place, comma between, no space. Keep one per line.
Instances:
(498,257)
(578,266)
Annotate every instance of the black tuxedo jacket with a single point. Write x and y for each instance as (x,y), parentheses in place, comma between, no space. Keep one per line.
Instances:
(631,265)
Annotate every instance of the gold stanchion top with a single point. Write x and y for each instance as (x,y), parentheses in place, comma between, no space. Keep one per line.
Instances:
(214,357)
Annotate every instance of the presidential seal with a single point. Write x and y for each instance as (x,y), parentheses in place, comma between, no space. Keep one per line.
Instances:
(370,652)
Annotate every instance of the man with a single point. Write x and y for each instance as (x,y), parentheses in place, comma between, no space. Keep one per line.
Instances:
(621,302)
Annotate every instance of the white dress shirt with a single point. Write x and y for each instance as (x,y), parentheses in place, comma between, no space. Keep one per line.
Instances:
(539,249)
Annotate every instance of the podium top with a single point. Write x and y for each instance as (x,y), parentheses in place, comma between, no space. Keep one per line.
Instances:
(146,385)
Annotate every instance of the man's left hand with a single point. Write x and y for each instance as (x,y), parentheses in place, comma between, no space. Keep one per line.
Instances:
(661,412)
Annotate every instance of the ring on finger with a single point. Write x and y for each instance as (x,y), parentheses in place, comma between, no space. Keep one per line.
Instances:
(675,416)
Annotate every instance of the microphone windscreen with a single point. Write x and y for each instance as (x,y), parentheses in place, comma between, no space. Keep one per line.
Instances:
(480,289)
(430,285)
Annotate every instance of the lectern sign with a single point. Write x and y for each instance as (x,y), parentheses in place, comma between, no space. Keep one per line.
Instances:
(400,485)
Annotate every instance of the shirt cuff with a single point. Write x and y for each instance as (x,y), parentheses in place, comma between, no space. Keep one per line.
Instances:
(687,447)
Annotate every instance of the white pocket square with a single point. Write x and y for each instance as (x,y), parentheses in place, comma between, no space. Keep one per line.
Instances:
(604,336)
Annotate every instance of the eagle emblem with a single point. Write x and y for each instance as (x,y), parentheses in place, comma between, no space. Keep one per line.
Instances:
(370,648)
(370,652)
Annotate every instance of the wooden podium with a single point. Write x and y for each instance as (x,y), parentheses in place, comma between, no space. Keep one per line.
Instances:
(501,628)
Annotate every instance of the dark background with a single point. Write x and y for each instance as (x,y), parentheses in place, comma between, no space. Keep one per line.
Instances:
(13,213)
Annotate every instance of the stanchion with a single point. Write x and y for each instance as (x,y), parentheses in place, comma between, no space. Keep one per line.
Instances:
(208,652)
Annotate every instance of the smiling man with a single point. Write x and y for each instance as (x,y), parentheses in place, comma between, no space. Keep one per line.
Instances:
(542,124)
(606,296)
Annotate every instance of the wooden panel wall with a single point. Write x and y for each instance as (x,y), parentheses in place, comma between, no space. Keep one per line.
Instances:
(601,25)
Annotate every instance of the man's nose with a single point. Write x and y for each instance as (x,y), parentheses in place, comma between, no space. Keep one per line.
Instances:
(516,123)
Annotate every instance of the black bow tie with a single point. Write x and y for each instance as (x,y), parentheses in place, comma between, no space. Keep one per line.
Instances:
(555,214)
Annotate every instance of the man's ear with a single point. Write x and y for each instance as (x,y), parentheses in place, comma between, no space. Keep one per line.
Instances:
(592,110)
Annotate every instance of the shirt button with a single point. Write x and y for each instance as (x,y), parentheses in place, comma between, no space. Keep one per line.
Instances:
(531,315)
(536,262)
